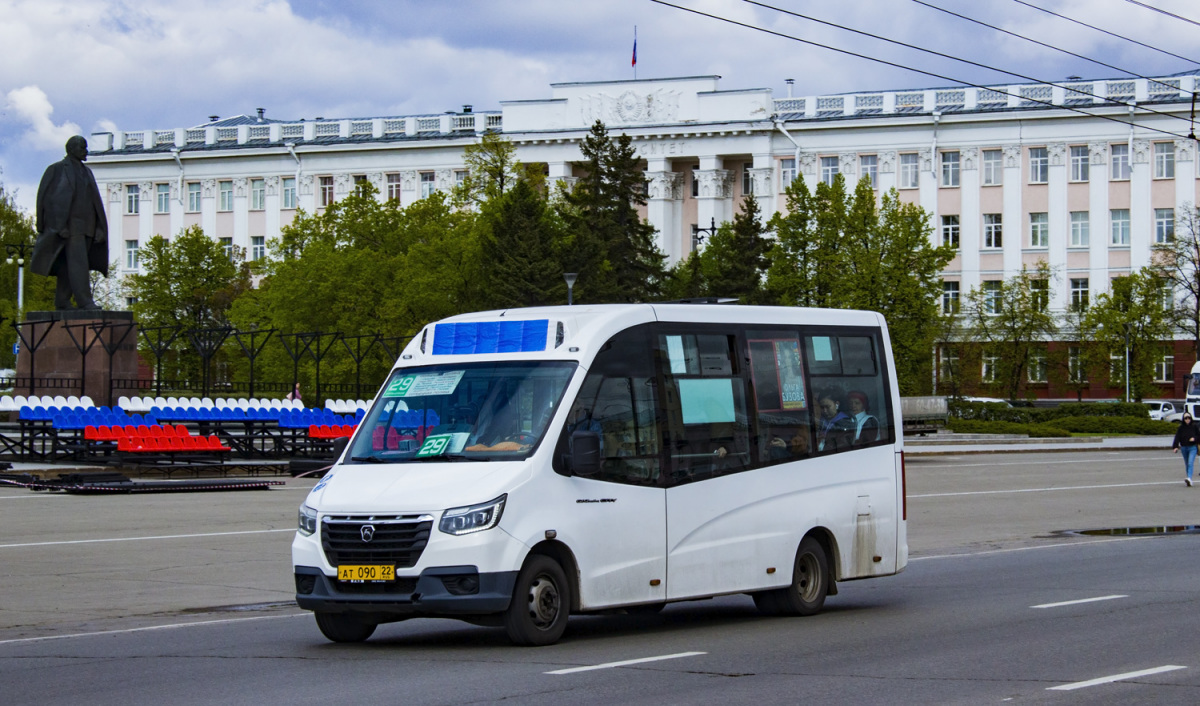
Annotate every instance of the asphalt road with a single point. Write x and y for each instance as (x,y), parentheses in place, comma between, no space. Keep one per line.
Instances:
(185,599)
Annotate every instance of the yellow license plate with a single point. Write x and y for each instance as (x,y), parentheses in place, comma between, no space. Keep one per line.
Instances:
(367,572)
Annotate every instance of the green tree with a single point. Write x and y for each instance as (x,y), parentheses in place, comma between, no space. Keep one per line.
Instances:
(518,242)
(735,260)
(1011,319)
(492,168)
(188,281)
(805,263)
(685,280)
(1131,319)
(607,243)
(16,229)
(1177,262)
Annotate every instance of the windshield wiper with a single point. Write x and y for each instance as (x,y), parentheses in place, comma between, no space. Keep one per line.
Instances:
(449,457)
(369,459)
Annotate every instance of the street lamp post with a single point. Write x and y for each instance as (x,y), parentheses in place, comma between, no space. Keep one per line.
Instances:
(711,230)
(1127,326)
(570,277)
(16,253)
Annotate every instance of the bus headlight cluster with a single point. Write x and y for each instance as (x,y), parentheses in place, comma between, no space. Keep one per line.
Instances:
(475,518)
(307,520)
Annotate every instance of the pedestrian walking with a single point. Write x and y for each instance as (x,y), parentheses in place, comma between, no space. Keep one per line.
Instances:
(295,393)
(1185,443)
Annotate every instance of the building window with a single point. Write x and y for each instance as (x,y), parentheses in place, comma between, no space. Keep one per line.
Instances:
(194,193)
(326,190)
(1164,160)
(1079,294)
(1079,229)
(1164,367)
(288,195)
(950,297)
(868,166)
(393,187)
(227,247)
(225,196)
(990,360)
(1037,364)
(1116,368)
(993,167)
(948,358)
(427,184)
(910,172)
(1120,161)
(1080,163)
(258,247)
(132,198)
(131,254)
(1039,294)
(1164,225)
(359,180)
(829,169)
(695,181)
(747,179)
(130,302)
(162,198)
(258,194)
(1039,165)
(950,231)
(1039,230)
(950,165)
(1166,295)
(1120,226)
(460,178)
(1075,369)
(992,296)
(993,230)
(787,173)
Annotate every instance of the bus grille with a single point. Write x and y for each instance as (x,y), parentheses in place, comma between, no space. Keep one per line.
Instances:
(396,539)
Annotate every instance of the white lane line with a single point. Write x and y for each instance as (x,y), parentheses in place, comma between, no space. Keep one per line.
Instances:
(624,663)
(1042,462)
(1038,546)
(1077,602)
(32,496)
(147,628)
(140,539)
(1041,490)
(1115,677)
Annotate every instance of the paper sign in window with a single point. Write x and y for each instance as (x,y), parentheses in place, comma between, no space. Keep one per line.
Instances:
(822,348)
(424,384)
(706,401)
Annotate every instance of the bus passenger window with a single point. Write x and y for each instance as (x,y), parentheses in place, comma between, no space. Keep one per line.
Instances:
(784,429)
(853,406)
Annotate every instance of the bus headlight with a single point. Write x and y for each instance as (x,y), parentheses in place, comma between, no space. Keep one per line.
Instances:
(475,518)
(307,520)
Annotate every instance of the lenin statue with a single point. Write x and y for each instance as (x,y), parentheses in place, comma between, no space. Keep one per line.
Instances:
(72,228)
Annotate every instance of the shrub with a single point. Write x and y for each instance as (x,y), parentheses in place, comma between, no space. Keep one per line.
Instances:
(977,426)
(1112,425)
(996,411)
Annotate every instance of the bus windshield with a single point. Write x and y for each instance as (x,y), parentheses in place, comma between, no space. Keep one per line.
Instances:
(1193,386)
(493,411)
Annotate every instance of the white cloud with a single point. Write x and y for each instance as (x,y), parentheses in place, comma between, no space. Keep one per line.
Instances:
(31,105)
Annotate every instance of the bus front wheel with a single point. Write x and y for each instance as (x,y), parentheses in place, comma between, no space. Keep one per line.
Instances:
(540,605)
(344,627)
(810,584)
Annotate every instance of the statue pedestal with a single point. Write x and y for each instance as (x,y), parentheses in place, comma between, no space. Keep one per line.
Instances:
(50,361)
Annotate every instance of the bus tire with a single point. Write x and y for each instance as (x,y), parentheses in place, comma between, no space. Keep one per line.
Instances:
(344,627)
(540,605)
(810,584)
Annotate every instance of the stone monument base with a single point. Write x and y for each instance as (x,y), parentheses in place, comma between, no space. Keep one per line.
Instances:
(50,360)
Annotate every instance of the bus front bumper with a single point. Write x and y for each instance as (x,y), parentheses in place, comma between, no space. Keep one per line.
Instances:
(438,591)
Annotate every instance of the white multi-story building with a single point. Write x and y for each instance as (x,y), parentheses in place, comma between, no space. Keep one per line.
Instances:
(1084,175)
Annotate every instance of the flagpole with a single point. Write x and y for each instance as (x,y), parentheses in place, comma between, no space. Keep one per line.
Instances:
(635,52)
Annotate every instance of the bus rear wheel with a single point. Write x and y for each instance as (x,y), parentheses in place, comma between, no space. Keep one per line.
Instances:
(540,604)
(344,627)
(810,584)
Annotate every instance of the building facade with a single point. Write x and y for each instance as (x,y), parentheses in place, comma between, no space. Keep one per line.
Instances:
(1085,175)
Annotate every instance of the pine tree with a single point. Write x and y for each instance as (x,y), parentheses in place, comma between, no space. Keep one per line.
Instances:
(736,257)
(518,243)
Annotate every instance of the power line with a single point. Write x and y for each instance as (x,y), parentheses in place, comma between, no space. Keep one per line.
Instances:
(1043,44)
(959,59)
(1162,11)
(1105,31)
(914,70)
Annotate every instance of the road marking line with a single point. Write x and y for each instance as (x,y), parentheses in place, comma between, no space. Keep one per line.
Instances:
(139,539)
(918,459)
(147,628)
(1115,677)
(1038,546)
(611,665)
(31,497)
(1077,602)
(1041,490)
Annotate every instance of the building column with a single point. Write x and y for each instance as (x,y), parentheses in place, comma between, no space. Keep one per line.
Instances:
(664,210)
(1185,175)
(886,172)
(306,196)
(927,195)
(409,185)
(1059,222)
(561,172)
(1141,215)
(146,206)
(1098,228)
(241,215)
(116,231)
(969,221)
(271,207)
(208,207)
(177,207)
(1013,232)
(714,199)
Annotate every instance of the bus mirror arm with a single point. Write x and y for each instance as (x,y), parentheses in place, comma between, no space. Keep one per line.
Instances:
(585,453)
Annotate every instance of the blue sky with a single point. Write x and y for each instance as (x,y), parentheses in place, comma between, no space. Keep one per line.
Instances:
(78,66)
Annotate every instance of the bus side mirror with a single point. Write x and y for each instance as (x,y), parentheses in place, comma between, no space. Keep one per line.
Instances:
(339,445)
(585,453)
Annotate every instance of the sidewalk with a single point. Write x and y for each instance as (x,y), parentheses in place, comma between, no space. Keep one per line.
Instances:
(948,443)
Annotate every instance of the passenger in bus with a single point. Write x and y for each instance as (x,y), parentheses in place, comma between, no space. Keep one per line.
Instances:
(834,429)
(787,443)
(866,427)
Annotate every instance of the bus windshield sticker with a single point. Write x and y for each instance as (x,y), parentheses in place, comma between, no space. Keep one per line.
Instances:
(676,355)
(425,384)
(791,380)
(822,348)
(706,401)
(443,443)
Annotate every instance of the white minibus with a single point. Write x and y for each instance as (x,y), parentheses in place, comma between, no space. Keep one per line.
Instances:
(521,466)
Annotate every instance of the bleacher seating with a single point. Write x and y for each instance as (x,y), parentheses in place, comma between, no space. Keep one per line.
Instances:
(154,439)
